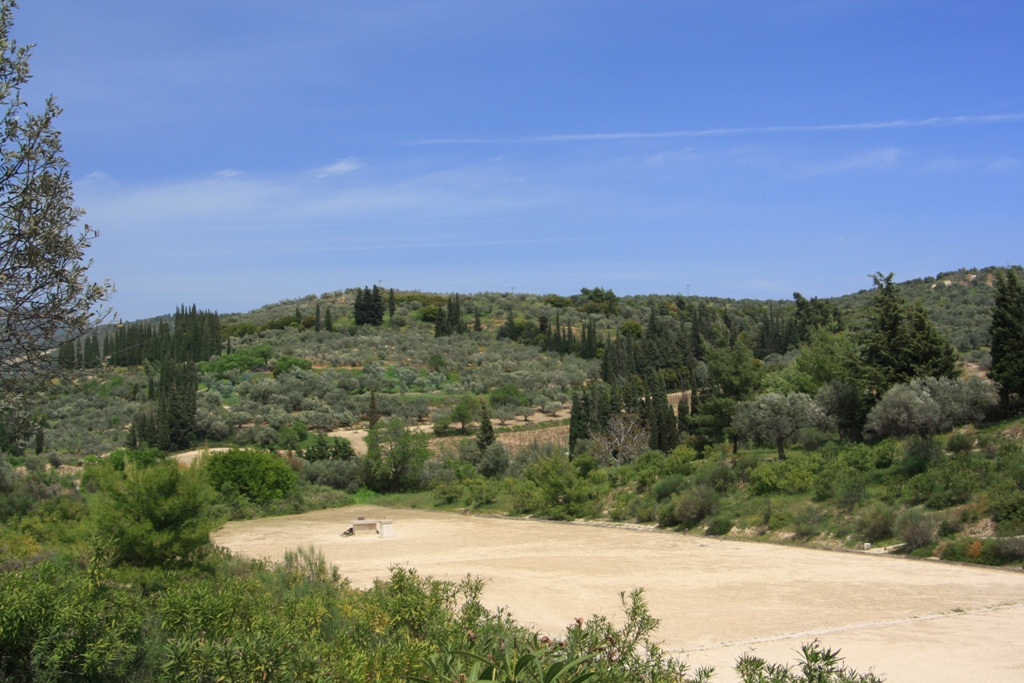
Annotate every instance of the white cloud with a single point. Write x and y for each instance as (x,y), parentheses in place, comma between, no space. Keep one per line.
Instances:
(344,166)
(228,173)
(877,159)
(714,132)
(1002,165)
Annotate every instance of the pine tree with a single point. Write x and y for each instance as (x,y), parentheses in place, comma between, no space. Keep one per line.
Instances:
(485,437)
(1008,337)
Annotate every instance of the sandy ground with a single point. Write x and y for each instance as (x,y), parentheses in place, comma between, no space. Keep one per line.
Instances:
(914,620)
(188,457)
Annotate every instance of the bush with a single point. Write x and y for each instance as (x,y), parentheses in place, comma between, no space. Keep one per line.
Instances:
(666,487)
(643,509)
(918,454)
(877,523)
(153,516)
(807,521)
(719,526)
(342,475)
(139,458)
(716,475)
(448,493)
(961,442)
(916,528)
(495,461)
(480,492)
(524,496)
(259,475)
(694,505)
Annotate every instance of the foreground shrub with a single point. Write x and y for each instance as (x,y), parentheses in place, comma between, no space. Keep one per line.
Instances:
(916,528)
(807,521)
(719,526)
(877,523)
(158,515)
(691,507)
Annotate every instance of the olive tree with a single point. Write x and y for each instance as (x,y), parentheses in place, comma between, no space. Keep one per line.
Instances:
(773,418)
(46,297)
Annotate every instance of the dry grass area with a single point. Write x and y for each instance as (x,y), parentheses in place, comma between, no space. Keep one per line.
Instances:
(914,620)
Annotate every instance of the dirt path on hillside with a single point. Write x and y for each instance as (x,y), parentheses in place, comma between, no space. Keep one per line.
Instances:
(916,621)
(358,436)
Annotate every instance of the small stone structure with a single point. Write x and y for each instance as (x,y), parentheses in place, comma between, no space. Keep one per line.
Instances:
(367,527)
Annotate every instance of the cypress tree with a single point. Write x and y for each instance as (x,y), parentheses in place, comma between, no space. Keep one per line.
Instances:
(478,325)
(373,417)
(317,324)
(376,307)
(328,320)
(392,304)
(1008,337)
(441,328)
(485,437)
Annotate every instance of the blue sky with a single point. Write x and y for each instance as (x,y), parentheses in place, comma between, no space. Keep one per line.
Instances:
(237,153)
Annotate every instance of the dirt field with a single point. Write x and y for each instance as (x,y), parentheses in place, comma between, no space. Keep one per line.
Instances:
(914,620)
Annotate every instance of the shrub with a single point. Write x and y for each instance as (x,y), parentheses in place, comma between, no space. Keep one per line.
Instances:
(716,475)
(961,442)
(643,509)
(343,475)
(524,496)
(916,528)
(877,523)
(447,493)
(719,526)
(494,462)
(807,521)
(259,475)
(158,515)
(693,505)
(480,492)
(918,454)
(667,486)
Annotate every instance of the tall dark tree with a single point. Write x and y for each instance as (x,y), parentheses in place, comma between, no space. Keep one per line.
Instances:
(317,322)
(173,427)
(328,320)
(485,437)
(392,304)
(900,345)
(376,306)
(1008,337)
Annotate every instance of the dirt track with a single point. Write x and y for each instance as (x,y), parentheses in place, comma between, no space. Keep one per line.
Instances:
(912,620)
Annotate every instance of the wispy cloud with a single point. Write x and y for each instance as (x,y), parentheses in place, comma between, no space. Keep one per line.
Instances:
(228,173)
(712,132)
(875,159)
(344,166)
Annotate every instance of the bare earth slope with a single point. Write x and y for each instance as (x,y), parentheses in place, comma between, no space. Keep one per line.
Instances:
(912,620)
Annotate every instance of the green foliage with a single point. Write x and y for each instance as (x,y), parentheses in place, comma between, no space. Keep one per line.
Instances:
(689,508)
(395,457)
(563,493)
(916,528)
(719,526)
(57,624)
(1008,335)
(154,515)
(877,523)
(138,458)
(819,665)
(285,363)
(259,475)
